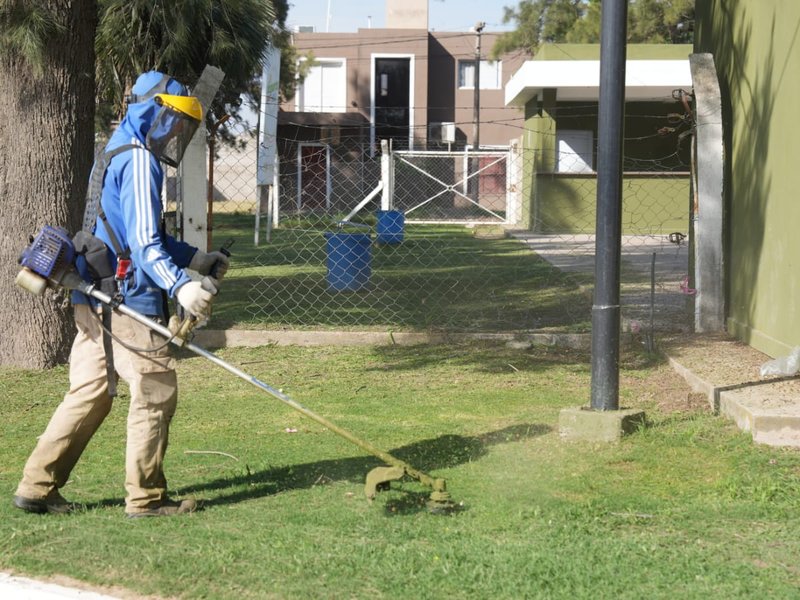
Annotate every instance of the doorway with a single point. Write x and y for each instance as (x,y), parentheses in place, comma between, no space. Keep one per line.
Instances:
(313,177)
(392,92)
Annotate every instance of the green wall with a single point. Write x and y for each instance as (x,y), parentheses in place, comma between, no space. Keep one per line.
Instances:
(756,48)
(657,204)
(633,51)
(563,203)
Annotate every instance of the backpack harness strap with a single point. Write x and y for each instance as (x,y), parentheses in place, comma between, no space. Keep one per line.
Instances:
(94,209)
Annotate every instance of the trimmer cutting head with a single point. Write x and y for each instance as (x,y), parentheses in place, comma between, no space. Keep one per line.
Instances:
(380,478)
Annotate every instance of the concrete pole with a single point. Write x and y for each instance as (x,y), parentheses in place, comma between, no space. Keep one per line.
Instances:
(193,192)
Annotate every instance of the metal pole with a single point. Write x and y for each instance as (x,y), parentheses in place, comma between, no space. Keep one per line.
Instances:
(210,190)
(476,125)
(606,308)
(473,185)
(651,346)
(328,20)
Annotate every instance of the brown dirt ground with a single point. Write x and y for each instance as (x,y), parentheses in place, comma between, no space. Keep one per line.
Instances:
(715,358)
(662,386)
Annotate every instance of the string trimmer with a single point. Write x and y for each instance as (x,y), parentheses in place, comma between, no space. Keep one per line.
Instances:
(49,262)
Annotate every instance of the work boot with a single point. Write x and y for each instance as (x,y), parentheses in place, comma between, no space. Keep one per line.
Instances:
(53,503)
(165,508)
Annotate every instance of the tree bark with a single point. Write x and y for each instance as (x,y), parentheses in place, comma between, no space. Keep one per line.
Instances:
(46,152)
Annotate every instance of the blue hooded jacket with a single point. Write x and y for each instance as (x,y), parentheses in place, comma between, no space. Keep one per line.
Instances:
(131,200)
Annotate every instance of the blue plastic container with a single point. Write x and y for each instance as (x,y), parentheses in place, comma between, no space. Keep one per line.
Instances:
(390,226)
(349,260)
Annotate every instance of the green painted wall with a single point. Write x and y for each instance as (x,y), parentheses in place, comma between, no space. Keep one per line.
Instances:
(650,204)
(756,48)
(529,164)
(565,203)
(633,51)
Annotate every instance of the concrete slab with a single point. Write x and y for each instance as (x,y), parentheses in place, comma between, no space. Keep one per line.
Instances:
(727,373)
(770,412)
(584,424)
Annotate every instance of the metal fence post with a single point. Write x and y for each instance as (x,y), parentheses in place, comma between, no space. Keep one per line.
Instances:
(387,176)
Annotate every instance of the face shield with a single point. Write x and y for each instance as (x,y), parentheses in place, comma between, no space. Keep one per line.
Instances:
(174,126)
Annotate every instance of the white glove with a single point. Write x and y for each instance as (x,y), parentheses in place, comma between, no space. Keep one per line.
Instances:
(204,263)
(195,299)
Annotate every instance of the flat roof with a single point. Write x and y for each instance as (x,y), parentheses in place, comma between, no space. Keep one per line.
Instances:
(580,79)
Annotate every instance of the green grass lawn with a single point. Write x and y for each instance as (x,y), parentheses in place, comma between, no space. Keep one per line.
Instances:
(440,277)
(687,507)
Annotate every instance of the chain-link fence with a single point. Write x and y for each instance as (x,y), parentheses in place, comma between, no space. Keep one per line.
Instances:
(355,236)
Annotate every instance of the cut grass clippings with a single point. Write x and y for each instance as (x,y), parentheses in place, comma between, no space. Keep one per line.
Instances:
(687,507)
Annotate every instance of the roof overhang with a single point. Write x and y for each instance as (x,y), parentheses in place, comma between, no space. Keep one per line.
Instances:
(580,80)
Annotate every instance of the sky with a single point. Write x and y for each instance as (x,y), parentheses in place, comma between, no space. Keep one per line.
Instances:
(350,15)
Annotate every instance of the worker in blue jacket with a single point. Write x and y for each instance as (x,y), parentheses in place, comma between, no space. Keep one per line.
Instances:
(124,212)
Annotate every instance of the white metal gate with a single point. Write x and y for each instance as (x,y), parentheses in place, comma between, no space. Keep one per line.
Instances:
(457,187)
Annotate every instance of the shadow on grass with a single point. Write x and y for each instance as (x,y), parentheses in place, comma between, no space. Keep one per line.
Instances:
(427,455)
(487,357)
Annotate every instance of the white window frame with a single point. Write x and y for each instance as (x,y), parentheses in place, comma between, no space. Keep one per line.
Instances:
(497,84)
(411,106)
(575,160)
(300,103)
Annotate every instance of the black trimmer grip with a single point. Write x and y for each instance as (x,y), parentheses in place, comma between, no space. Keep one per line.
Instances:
(223,250)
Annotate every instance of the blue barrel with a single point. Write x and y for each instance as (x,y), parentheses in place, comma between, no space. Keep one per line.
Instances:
(349,260)
(390,226)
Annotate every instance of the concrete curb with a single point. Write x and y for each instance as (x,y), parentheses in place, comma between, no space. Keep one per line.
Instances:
(697,384)
(757,407)
(233,338)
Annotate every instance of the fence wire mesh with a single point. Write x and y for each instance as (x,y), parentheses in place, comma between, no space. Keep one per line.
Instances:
(497,240)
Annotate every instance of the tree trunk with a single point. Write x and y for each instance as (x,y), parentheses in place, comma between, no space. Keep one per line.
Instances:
(46,152)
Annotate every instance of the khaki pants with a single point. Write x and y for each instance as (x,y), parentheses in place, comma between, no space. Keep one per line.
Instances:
(154,391)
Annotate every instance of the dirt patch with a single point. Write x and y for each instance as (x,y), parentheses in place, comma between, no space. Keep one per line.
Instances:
(665,388)
(716,358)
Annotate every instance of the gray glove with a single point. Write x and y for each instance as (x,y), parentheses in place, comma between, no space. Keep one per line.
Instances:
(195,299)
(211,263)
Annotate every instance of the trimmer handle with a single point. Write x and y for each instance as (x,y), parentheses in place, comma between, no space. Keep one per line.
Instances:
(182,329)
(224,249)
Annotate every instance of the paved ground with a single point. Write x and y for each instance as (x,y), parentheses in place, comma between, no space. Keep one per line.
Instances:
(646,259)
(726,371)
(22,588)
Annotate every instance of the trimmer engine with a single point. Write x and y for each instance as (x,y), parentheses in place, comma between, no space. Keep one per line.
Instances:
(48,260)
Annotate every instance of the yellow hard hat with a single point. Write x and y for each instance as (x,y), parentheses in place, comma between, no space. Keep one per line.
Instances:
(187,105)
